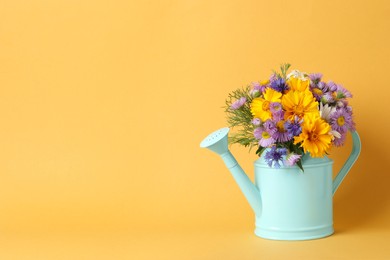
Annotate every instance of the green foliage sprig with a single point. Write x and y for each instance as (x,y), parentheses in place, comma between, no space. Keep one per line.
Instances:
(240,119)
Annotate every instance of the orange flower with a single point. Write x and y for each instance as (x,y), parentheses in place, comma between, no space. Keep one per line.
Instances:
(298,103)
(315,137)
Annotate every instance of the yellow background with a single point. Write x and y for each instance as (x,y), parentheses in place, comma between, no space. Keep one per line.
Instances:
(103,105)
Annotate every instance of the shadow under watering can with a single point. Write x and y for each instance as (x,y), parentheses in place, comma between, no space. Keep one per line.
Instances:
(289,204)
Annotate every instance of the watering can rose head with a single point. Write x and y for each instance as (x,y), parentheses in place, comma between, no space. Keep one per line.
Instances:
(290,114)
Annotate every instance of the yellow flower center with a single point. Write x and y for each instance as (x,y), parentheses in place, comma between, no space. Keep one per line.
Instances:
(265,105)
(341,121)
(313,137)
(265,135)
(280,126)
(317,91)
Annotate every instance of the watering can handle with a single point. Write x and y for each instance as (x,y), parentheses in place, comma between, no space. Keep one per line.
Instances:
(348,164)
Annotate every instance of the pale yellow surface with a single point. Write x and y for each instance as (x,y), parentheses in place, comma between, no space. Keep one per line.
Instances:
(103,105)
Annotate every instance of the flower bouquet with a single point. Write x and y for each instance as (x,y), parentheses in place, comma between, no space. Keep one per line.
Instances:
(290,114)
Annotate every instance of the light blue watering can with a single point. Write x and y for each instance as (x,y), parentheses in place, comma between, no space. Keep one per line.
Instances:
(288,204)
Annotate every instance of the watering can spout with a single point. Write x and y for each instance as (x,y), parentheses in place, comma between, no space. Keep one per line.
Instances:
(218,143)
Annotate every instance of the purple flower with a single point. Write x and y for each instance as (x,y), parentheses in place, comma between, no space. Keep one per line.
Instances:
(257,132)
(264,136)
(277,111)
(294,127)
(273,77)
(331,86)
(275,156)
(315,77)
(341,92)
(323,86)
(320,90)
(292,159)
(266,140)
(342,103)
(256,85)
(341,120)
(340,141)
(275,107)
(257,89)
(327,98)
(256,121)
(281,134)
(238,103)
(270,126)
(279,84)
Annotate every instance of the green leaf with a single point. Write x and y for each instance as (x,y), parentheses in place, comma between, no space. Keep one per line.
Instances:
(284,68)
(260,150)
(299,163)
(240,120)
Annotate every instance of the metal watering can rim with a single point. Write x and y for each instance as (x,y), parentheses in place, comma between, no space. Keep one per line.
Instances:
(307,162)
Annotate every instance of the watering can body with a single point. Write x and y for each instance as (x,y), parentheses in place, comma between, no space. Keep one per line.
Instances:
(295,205)
(288,204)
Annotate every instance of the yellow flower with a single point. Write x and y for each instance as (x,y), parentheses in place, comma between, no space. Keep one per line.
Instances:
(300,84)
(260,107)
(298,103)
(315,137)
